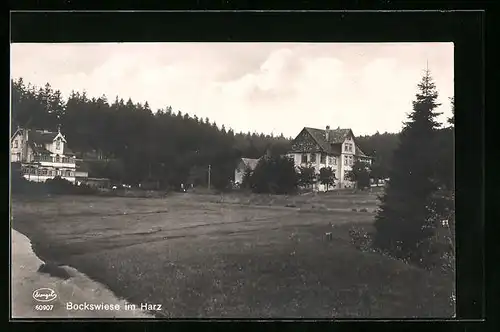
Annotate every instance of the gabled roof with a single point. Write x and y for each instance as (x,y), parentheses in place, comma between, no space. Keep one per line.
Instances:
(18,131)
(335,136)
(43,136)
(333,143)
(360,153)
(38,148)
(39,136)
(250,163)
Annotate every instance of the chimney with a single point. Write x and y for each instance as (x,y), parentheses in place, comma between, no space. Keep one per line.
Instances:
(327,133)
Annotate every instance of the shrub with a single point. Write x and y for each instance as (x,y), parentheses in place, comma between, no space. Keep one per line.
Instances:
(360,238)
(56,186)
(274,175)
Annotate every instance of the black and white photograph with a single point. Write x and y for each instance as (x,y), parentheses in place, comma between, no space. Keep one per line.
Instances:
(232,180)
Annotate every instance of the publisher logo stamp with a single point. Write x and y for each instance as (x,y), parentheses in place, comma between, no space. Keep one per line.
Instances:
(44,295)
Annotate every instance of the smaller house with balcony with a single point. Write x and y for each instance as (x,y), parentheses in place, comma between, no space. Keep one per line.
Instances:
(42,155)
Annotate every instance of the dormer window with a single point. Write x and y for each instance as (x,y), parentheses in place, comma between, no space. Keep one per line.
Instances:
(58,144)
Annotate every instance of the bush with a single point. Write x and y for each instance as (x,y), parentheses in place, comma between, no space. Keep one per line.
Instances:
(274,175)
(360,239)
(56,186)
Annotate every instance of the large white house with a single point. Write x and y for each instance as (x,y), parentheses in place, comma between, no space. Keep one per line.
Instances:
(42,155)
(320,148)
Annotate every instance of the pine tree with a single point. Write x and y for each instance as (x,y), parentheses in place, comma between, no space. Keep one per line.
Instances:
(405,221)
(451,120)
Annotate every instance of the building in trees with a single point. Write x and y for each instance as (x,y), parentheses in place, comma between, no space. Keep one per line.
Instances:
(335,148)
(42,155)
(243,165)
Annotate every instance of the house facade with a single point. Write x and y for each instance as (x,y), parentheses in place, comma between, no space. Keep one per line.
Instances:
(42,155)
(335,148)
(243,165)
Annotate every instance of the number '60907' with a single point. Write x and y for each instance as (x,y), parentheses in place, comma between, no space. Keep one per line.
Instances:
(44,307)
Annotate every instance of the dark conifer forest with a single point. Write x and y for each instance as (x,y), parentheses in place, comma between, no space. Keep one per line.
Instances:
(136,144)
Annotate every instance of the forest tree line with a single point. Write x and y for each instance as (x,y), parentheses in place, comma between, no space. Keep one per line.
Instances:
(167,146)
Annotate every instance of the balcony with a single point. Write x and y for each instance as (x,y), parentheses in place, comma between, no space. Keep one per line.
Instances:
(55,162)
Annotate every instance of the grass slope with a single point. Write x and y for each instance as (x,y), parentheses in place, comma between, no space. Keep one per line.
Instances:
(247,257)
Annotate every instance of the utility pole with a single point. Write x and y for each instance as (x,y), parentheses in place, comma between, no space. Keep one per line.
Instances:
(209,171)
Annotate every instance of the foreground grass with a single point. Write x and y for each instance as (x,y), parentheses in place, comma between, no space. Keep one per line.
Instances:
(200,258)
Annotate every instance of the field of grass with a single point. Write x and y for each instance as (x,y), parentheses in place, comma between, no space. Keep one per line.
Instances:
(244,256)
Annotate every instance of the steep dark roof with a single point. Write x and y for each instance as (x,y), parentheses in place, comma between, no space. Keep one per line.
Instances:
(360,153)
(41,137)
(332,145)
(38,148)
(335,136)
(335,139)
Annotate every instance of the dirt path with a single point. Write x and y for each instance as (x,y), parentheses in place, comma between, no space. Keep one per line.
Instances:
(78,289)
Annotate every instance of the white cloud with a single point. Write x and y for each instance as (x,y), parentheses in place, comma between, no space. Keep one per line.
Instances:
(250,86)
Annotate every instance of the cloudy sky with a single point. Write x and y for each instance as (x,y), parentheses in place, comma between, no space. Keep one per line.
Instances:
(263,87)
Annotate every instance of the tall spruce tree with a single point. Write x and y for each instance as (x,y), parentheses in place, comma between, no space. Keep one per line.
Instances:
(406,218)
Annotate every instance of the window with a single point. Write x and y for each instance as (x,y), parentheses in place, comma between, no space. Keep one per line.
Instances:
(313,157)
(58,144)
(44,172)
(16,144)
(323,158)
(348,147)
(346,160)
(304,159)
(350,161)
(57,159)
